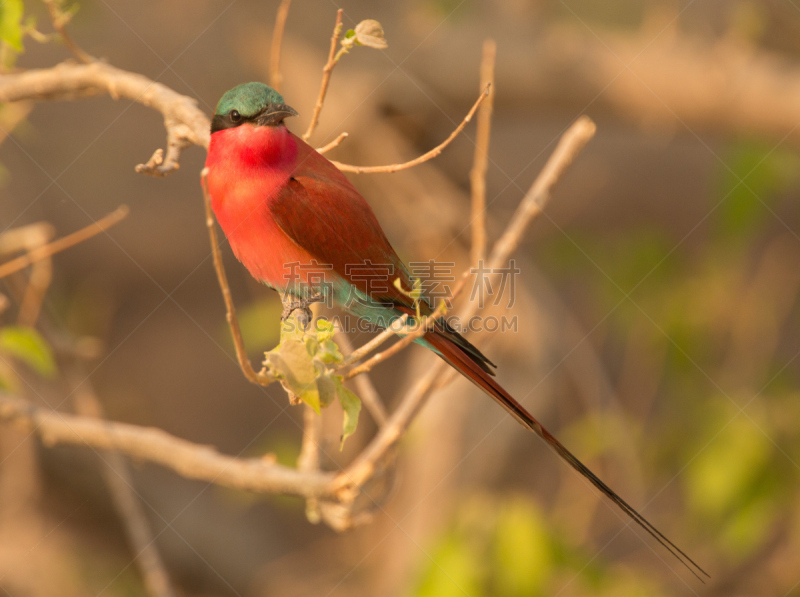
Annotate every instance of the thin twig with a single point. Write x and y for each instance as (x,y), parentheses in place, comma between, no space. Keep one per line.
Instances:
(275,76)
(119,481)
(425,156)
(60,20)
(190,460)
(480,161)
(366,389)
(420,328)
(358,354)
(332,144)
(326,75)
(233,322)
(570,144)
(64,243)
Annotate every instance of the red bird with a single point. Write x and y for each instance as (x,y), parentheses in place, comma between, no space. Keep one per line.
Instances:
(300,227)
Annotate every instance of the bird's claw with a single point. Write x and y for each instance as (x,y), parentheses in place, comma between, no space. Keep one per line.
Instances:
(305,316)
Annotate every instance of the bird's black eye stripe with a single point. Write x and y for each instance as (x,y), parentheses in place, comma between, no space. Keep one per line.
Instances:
(227,121)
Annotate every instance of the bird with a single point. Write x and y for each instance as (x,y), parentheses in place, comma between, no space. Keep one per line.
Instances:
(299,226)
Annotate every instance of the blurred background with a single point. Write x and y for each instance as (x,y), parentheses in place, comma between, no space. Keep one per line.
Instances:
(657,302)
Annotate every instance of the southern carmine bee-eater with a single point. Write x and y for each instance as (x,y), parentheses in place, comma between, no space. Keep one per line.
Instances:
(300,227)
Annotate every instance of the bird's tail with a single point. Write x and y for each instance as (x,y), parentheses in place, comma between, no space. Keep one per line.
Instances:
(470,363)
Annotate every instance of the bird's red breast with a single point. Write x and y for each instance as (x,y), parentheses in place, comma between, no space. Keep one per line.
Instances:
(281,203)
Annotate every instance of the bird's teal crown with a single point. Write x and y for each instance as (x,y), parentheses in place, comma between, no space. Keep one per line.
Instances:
(248,99)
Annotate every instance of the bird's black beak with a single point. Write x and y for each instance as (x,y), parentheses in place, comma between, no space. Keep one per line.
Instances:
(274,114)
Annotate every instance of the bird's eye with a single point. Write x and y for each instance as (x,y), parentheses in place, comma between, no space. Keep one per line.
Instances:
(235,116)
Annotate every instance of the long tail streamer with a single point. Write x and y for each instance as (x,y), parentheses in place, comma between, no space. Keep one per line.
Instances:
(466,364)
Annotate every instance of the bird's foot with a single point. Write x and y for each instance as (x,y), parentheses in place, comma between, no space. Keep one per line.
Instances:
(305,316)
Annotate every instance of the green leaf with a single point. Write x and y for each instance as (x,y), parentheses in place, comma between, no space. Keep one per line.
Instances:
(327,390)
(351,406)
(328,352)
(370,33)
(11,23)
(312,345)
(291,363)
(325,330)
(300,362)
(28,346)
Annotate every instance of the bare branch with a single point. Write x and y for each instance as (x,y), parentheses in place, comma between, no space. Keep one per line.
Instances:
(185,123)
(275,76)
(333,58)
(332,144)
(64,243)
(425,156)
(151,444)
(480,162)
(233,322)
(571,143)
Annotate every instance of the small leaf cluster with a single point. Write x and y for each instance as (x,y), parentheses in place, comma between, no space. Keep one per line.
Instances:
(301,363)
(368,33)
